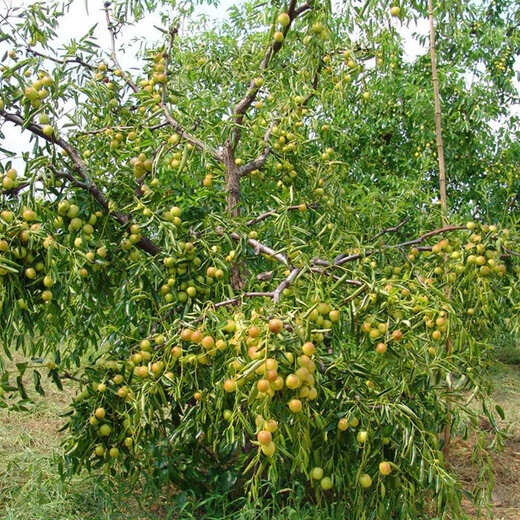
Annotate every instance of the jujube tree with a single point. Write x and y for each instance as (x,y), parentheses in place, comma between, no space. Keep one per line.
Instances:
(237,253)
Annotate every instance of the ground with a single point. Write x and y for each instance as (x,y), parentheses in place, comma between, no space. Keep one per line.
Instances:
(30,488)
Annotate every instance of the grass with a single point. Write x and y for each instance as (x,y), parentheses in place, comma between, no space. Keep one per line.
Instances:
(31,489)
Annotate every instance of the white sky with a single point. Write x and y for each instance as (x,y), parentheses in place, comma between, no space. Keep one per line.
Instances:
(79,20)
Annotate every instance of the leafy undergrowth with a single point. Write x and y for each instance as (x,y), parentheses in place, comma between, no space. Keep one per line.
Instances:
(31,489)
(506,494)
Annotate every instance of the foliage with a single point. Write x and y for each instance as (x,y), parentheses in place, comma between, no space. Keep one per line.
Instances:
(246,233)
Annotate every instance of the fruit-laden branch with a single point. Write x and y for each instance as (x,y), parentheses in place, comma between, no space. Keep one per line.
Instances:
(341,259)
(243,105)
(202,146)
(257,163)
(80,167)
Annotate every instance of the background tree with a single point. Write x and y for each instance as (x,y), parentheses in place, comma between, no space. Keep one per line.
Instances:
(235,250)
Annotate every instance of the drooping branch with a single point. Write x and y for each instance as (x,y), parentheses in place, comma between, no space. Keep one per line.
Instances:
(64,61)
(341,259)
(257,163)
(261,248)
(81,169)
(278,291)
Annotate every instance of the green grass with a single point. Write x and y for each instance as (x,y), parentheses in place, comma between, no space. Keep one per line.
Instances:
(30,485)
(31,488)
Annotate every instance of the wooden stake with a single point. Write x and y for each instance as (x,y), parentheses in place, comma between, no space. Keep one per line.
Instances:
(438,126)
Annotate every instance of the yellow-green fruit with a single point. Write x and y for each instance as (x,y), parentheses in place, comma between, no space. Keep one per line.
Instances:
(326,483)
(317,473)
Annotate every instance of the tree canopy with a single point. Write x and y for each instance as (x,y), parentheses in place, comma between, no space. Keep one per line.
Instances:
(236,248)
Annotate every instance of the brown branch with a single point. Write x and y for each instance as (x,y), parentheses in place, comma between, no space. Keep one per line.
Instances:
(65,61)
(261,248)
(257,163)
(234,301)
(390,229)
(81,169)
(278,291)
(243,105)
(113,55)
(14,191)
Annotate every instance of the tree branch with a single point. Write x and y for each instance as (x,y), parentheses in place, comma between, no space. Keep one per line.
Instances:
(243,105)
(390,229)
(278,291)
(273,212)
(80,167)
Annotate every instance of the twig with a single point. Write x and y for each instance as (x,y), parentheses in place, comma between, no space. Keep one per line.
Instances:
(278,291)
(390,229)
(261,248)
(273,212)
(173,32)
(509,252)
(113,55)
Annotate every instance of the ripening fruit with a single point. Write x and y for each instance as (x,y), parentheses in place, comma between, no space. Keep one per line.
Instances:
(99,451)
(343,424)
(230,385)
(278,37)
(263,385)
(365,480)
(308,348)
(292,381)
(114,452)
(207,342)
(385,468)
(295,405)
(395,10)
(275,326)
(100,413)
(362,436)
(381,348)
(46,296)
(326,483)
(271,425)
(268,449)
(284,19)
(105,430)
(317,473)
(397,335)
(264,437)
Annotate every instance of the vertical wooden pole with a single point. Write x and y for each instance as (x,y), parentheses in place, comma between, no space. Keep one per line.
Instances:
(438,126)
(442,186)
